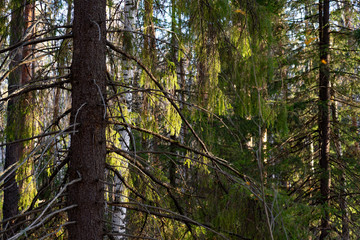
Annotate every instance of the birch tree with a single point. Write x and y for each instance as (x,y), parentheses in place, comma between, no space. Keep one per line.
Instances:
(128,73)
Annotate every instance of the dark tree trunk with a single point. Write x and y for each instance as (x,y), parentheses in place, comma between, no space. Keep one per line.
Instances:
(26,72)
(11,189)
(21,19)
(324,115)
(88,146)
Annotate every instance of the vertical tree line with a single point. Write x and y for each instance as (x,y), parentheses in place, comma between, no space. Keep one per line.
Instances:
(18,109)
(324,114)
(88,121)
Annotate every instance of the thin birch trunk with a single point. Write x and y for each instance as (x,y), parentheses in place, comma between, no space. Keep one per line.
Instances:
(119,213)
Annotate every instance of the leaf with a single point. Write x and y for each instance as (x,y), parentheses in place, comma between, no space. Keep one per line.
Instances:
(240,11)
(187,162)
(308,41)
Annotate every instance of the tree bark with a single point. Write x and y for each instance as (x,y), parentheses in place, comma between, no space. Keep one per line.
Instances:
(17,126)
(324,115)
(13,151)
(88,142)
(119,213)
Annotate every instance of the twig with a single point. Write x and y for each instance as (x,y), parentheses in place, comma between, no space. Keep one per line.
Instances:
(77,112)
(58,229)
(34,224)
(102,98)
(166,94)
(168,214)
(40,40)
(99,29)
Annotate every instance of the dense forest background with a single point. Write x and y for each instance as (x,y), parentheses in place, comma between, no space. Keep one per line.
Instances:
(179,119)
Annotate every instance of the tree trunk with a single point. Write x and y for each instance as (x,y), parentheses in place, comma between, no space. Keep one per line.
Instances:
(88,142)
(17,124)
(119,213)
(13,151)
(26,181)
(324,115)
(27,69)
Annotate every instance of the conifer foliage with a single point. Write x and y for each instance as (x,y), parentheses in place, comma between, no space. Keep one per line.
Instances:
(179,119)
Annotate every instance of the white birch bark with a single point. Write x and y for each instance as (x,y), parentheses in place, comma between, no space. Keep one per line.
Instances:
(119,213)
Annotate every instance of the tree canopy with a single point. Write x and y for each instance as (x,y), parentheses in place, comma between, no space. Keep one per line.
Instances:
(179,119)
